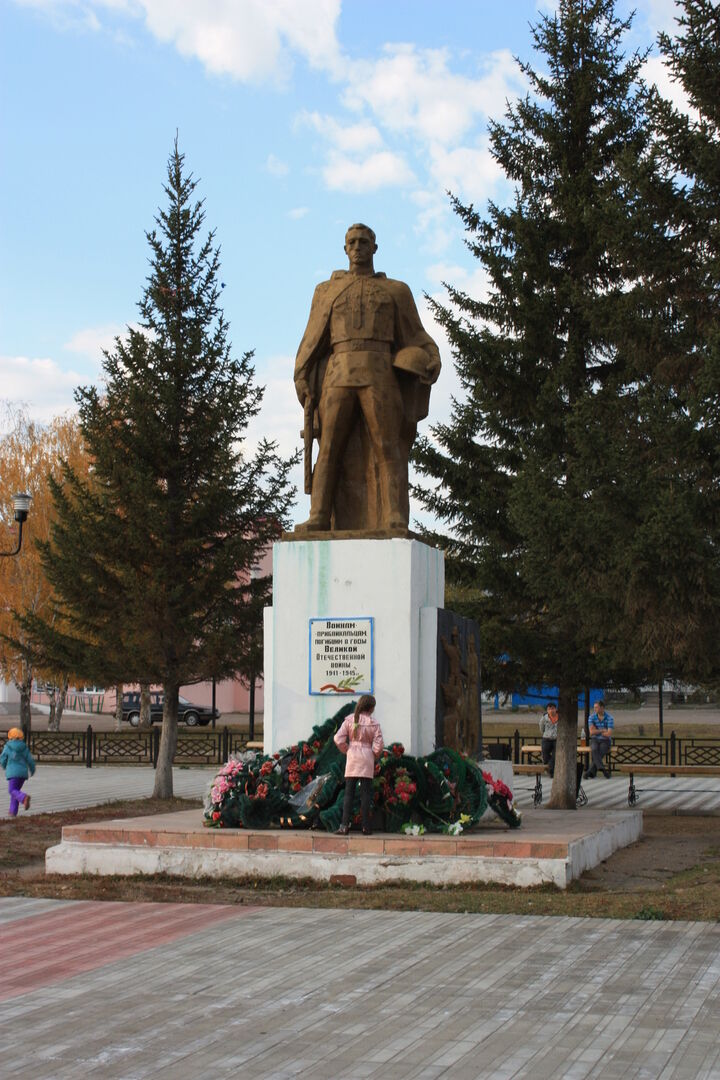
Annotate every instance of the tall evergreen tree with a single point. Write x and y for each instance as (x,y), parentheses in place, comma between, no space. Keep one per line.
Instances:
(688,149)
(540,472)
(156,550)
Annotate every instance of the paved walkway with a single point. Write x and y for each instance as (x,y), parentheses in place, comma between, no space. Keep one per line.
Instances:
(67,787)
(135,991)
(683,793)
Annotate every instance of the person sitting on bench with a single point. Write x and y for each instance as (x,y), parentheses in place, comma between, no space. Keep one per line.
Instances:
(601,726)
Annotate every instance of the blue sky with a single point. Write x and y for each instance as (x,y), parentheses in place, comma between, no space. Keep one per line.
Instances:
(298,117)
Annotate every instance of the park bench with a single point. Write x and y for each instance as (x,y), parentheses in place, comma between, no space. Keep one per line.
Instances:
(662,770)
(255,744)
(537,769)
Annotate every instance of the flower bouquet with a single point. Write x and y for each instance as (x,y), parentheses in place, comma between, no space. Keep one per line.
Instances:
(500,799)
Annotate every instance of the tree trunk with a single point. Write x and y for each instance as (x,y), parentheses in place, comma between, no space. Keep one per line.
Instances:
(168,743)
(564,786)
(60,703)
(118,706)
(145,721)
(52,694)
(25,688)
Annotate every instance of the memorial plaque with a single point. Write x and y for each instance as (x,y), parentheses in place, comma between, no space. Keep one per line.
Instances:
(341,656)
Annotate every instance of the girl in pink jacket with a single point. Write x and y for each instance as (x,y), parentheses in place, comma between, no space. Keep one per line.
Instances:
(359,737)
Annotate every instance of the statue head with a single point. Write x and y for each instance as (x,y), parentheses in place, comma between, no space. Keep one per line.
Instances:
(360,246)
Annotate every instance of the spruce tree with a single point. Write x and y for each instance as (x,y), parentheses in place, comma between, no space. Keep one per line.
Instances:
(532,472)
(155,552)
(687,146)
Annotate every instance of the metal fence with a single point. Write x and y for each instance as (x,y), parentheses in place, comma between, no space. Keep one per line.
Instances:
(213,747)
(91,747)
(626,750)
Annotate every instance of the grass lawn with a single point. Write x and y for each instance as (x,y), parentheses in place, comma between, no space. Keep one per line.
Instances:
(673,872)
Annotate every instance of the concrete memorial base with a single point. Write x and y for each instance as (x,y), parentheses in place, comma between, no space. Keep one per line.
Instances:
(552,846)
(355,612)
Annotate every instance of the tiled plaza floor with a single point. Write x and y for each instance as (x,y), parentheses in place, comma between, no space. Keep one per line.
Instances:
(135,991)
(65,787)
(70,787)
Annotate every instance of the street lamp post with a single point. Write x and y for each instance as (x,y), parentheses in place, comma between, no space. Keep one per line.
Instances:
(21,503)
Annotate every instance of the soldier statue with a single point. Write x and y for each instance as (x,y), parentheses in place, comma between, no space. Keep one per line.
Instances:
(363,374)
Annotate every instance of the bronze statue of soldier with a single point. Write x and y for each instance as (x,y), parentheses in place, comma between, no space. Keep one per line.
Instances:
(362,374)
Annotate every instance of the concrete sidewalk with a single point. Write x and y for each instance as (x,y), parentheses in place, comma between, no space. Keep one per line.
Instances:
(671,794)
(68,787)
(141,991)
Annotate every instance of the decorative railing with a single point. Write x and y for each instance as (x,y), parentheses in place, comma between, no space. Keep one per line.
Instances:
(213,747)
(626,750)
(69,747)
(90,747)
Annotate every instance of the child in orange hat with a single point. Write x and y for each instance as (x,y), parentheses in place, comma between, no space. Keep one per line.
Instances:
(17,761)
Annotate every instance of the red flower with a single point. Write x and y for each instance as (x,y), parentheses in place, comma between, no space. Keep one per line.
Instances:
(216,815)
(266,768)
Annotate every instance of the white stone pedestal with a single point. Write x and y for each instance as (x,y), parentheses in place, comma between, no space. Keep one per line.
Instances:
(391,581)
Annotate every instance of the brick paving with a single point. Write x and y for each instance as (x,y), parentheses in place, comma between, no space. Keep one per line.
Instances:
(279,993)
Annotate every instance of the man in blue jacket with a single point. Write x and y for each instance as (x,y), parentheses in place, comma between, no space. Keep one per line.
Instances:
(601,726)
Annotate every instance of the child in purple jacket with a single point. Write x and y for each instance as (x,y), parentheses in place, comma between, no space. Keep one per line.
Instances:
(359,737)
(17,761)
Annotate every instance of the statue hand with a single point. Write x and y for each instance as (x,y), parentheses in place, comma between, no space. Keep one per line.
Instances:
(433,370)
(302,390)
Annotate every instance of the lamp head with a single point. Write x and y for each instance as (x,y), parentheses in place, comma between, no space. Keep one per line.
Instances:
(21,502)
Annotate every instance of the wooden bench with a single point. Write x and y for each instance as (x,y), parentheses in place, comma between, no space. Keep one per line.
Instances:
(538,770)
(533,748)
(255,745)
(532,770)
(662,770)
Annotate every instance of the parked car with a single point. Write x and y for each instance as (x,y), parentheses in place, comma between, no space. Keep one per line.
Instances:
(188,713)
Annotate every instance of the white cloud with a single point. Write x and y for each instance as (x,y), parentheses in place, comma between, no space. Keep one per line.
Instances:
(91,341)
(473,280)
(40,384)
(469,172)
(247,40)
(282,415)
(355,158)
(350,138)
(275,166)
(298,212)
(660,14)
(411,105)
(657,72)
(414,92)
(384,169)
(436,226)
